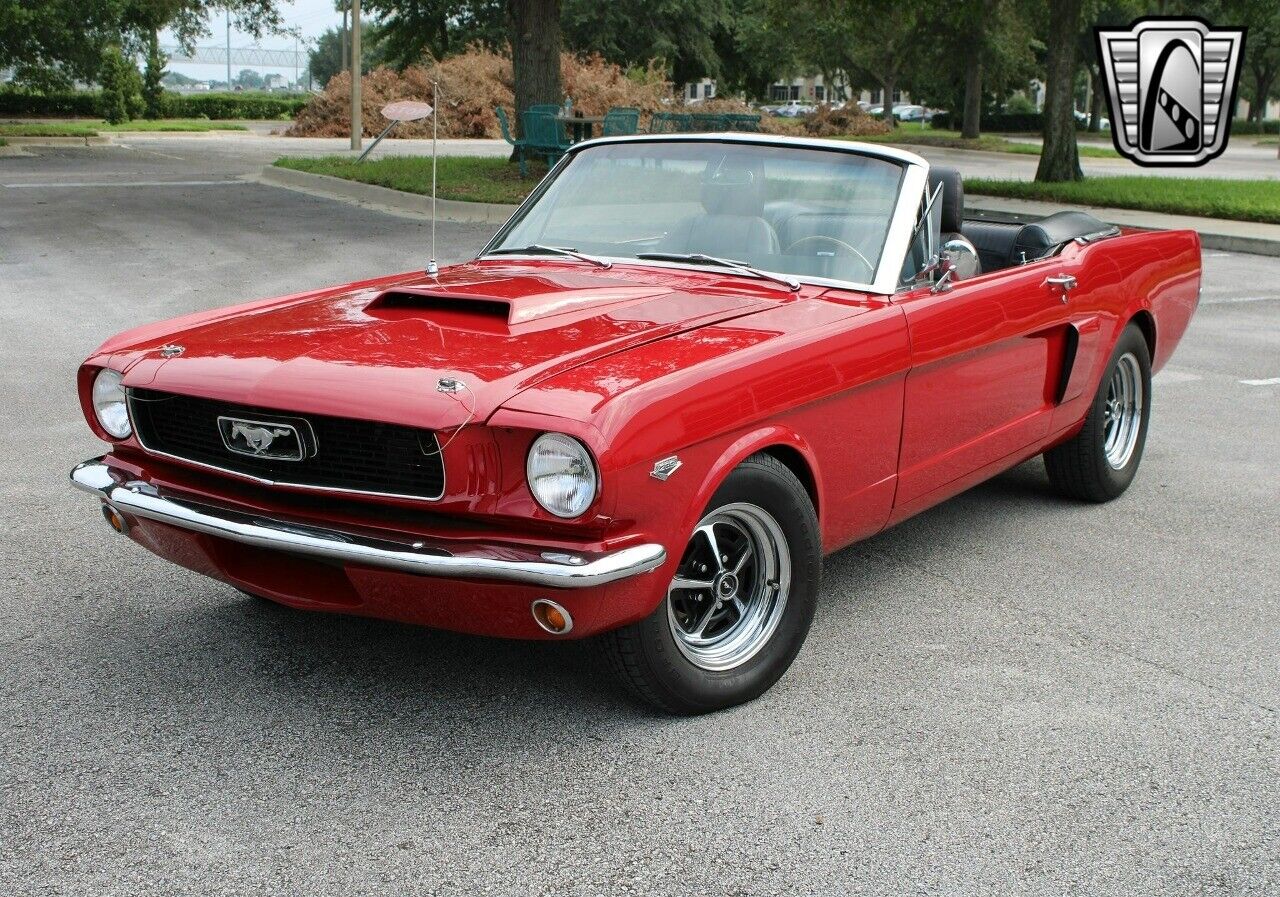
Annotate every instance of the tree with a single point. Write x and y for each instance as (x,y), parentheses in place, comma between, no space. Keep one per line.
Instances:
(67,40)
(680,32)
(112,103)
(1059,156)
(986,52)
(153,79)
(412,28)
(858,39)
(248,79)
(1261,54)
(410,31)
(326,59)
(751,52)
(535,51)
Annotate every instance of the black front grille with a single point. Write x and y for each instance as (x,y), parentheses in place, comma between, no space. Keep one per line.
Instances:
(357,455)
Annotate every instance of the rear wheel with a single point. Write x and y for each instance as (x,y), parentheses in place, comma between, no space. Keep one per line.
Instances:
(740,605)
(1100,462)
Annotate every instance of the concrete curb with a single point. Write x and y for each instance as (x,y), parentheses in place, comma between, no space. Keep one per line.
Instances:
(384,197)
(1215,233)
(57,141)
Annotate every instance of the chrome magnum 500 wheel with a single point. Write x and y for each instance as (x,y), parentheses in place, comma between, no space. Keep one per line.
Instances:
(1099,463)
(731,589)
(741,601)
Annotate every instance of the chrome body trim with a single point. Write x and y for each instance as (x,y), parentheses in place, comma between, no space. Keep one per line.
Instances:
(263,481)
(450,560)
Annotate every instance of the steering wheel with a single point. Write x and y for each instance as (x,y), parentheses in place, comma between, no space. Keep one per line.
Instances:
(849,250)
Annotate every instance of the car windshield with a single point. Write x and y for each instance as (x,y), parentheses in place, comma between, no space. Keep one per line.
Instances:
(787,209)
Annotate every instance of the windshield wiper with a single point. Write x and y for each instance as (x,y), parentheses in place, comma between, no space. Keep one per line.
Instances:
(554,250)
(699,258)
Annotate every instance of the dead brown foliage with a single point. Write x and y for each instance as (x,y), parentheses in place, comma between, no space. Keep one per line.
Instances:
(472,84)
(847,122)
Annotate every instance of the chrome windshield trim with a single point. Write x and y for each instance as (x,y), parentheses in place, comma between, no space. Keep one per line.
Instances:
(407,553)
(708,269)
(305,487)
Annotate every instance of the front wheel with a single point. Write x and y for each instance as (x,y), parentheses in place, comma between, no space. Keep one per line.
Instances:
(740,604)
(1099,463)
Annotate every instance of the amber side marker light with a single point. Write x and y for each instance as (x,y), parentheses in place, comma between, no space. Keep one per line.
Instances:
(115,519)
(551,616)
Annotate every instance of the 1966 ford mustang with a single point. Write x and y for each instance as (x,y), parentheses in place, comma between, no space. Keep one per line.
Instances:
(684,371)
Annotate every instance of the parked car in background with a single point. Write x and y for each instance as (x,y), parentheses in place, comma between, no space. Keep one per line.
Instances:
(1082,119)
(911,112)
(793,109)
(686,369)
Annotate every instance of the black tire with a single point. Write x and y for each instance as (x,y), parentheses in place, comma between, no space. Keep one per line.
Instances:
(646,656)
(1079,468)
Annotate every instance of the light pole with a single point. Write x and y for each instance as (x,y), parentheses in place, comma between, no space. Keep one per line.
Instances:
(357,127)
(228,48)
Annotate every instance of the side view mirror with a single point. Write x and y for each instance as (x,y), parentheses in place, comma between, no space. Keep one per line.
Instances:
(943,271)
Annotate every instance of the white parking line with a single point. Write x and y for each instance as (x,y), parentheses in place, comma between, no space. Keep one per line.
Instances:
(125,184)
(1230,299)
(1274,381)
(1168,376)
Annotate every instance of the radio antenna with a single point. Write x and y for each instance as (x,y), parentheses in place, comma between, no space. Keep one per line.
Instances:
(432,268)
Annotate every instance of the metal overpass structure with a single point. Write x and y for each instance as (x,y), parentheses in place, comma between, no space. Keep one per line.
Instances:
(250,56)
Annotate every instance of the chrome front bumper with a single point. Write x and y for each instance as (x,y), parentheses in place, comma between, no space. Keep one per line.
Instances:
(470,560)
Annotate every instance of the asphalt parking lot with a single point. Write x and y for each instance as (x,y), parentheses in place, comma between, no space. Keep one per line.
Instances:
(1008,694)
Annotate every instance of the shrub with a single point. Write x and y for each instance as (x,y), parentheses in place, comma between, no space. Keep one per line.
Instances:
(84,104)
(112,101)
(152,88)
(231,105)
(1032,122)
(1245,126)
(87,103)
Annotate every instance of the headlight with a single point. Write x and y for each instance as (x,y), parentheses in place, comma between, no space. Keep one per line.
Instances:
(562,476)
(108,403)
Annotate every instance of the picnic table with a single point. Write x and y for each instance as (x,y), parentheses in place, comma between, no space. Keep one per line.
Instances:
(581,127)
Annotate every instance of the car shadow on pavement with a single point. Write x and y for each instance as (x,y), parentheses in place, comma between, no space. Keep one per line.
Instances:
(206,645)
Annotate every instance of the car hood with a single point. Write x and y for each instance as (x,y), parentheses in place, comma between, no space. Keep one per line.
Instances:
(379,351)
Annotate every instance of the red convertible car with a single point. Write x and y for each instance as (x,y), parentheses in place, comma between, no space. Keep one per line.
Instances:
(684,371)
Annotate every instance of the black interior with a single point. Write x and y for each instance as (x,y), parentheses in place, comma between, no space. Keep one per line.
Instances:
(1002,244)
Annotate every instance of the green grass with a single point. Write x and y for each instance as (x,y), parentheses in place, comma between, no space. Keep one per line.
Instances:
(24,129)
(1207,197)
(92,128)
(465,178)
(496,180)
(912,134)
(171,124)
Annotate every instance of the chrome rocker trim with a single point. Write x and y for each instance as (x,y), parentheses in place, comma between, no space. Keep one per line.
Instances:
(555,569)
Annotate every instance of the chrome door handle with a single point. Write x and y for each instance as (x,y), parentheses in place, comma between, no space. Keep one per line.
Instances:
(1066,281)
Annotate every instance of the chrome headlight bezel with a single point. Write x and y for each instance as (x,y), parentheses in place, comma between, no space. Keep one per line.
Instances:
(562,476)
(109,404)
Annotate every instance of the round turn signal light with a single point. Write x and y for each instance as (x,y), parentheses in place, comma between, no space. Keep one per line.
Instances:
(551,616)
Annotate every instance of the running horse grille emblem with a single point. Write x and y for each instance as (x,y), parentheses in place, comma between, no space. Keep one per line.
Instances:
(262,439)
(1170,84)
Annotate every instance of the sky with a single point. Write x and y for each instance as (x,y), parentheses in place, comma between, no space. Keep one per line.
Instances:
(311,17)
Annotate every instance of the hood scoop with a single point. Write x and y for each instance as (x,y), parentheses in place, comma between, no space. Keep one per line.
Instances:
(475,311)
(457,311)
